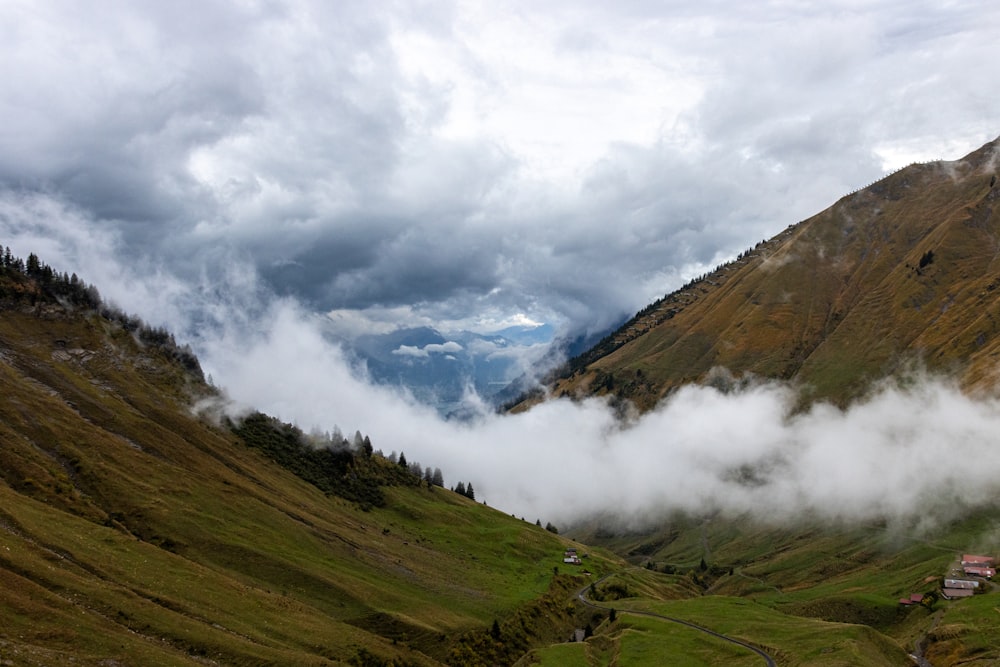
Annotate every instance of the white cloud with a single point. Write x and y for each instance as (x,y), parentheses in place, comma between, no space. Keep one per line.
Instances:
(427,350)
(411,351)
(459,165)
(465,167)
(914,456)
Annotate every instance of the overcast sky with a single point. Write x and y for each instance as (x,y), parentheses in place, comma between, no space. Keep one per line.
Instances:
(472,164)
(454,164)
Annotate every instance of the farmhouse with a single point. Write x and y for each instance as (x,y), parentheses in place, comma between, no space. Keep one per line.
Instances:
(960,583)
(977,561)
(979,571)
(952,593)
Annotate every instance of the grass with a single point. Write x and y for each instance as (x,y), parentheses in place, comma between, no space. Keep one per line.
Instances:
(813,593)
(834,302)
(967,632)
(132,530)
(562,655)
(794,640)
(648,641)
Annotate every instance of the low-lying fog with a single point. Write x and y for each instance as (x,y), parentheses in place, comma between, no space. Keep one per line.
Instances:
(917,454)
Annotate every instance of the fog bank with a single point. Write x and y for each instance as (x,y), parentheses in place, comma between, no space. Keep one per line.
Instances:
(917,454)
(920,453)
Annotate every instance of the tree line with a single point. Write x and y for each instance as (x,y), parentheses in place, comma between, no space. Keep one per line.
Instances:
(349,468)
(33,282)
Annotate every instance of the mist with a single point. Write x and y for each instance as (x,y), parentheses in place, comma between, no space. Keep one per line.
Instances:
(914,454)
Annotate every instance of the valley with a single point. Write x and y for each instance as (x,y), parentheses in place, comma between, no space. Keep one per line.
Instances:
(143,520)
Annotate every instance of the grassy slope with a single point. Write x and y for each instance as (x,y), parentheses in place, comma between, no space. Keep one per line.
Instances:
(132,530)
(809,595)
(837,300)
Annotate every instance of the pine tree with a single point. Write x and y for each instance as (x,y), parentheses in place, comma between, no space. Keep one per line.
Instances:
(460,488)
(402,460)
(34,267)
(469,493)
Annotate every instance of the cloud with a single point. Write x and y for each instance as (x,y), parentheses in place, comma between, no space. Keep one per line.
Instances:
(427,350)
(411,351)
(454,166)
(912,455)
(569,163)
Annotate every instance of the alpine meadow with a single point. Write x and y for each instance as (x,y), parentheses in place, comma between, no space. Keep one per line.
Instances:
(469,334)
(147,519)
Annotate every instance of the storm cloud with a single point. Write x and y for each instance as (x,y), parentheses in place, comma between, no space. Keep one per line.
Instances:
(255,175)
(463,162)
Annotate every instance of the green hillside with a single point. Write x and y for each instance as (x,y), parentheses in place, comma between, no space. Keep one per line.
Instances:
(809,594)
(135,531)
(139,527)
(897,276)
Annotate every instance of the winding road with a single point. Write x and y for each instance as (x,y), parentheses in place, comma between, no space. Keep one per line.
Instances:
(582,596)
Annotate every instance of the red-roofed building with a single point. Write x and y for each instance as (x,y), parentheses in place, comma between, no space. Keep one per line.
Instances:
(952,593)
(977,571)
(916,598)
(980,561)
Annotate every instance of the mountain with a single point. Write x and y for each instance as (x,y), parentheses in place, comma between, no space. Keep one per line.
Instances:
(898,276)
(140,526)
(440,369)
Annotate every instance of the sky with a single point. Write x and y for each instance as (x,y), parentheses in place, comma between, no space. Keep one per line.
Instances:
(256,174)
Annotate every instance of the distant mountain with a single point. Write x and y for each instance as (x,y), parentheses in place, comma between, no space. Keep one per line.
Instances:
(441,369)
(901,274)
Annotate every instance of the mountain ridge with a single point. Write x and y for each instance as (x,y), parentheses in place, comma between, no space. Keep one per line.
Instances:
(897,274)
(136,530)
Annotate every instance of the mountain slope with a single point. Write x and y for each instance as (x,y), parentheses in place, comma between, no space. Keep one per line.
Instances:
(904,271)
(134,531)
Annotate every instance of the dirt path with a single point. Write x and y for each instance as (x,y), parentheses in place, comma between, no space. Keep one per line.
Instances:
(582,596)
(918,645)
